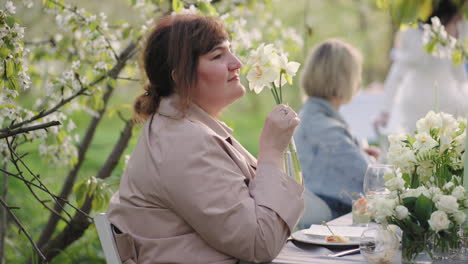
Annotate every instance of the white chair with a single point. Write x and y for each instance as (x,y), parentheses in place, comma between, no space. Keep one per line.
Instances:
(106,236)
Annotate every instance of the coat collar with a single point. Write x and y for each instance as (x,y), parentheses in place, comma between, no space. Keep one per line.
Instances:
(320,104)
(169,107)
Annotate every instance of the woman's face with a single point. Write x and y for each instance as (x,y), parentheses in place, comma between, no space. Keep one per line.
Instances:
(218,84)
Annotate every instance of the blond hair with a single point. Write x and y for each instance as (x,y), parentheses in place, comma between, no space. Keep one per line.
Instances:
(333,69)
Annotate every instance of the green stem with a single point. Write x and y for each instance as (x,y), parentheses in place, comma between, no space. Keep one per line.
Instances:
(280,86)
(275,94)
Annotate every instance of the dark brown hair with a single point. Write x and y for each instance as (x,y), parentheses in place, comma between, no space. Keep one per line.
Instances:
(170,58)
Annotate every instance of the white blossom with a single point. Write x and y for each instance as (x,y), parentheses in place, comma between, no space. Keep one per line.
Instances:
(10,8)
(447,204)
(459,217)
(401,212)
(439,221)
(458,192)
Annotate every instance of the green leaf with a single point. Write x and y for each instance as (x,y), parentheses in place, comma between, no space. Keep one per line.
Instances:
(177,5)
(9,68)
(80,191)
(10,21)
(423,209)
(457,57)
(407,179)
(409,203)
(207,8)
(12,84)
(4,51)
(425,9)
(430,47)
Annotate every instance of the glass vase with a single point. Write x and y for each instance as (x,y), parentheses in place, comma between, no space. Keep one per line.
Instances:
(292,166)
(416,248)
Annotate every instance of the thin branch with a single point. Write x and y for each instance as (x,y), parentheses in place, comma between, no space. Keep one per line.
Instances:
(46,113)
(43,187)
(128,79)
(50,41)
(28,129)
(17,221)
(126,55)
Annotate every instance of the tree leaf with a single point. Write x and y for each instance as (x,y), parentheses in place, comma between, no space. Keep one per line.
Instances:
(457,57)
(177,5)
(206,8)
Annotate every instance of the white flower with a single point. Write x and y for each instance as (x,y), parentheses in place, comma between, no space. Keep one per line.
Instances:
(459,217)
(449,124)
(395,183)
(458,192)
(424,142)
(382,208)
(10,8)
(439,221)
(290,67)
(447,204)
(411,193)
(435,21)
(460,142)
(401,212)
(431,120)
(262,55)
(261,76)
(448,186)
(71,125)
(397,139)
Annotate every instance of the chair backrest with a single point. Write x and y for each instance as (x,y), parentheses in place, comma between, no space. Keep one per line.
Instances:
(106,236)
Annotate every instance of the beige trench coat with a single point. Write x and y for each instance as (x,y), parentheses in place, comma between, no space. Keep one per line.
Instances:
(192,194)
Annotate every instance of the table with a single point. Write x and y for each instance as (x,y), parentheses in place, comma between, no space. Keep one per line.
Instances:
(295,252)
(301,253)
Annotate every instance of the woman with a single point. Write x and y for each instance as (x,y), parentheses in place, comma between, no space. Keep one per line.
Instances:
(419,82)
(191,193)
(332,159)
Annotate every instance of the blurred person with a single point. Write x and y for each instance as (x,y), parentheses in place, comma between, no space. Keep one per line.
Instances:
(419,82)
(190,192)
(332,159)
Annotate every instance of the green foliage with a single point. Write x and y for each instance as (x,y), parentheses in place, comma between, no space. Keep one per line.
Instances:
(423,208)
(93,187)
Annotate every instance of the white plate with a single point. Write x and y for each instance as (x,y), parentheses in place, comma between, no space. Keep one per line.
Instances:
(301,236)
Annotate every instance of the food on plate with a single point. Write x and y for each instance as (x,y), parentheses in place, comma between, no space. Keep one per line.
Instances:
(336,239)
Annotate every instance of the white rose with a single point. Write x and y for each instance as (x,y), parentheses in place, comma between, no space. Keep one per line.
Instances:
(459,217)
(411,193)
(439,221)
(448,185)
(458,192)
(431,120)
(401,212)
(447,203)
(395,183)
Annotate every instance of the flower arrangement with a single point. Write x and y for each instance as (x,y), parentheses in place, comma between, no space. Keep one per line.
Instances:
(269,67)
(427,196)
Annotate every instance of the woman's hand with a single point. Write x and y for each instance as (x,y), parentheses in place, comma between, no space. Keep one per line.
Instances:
(276,134)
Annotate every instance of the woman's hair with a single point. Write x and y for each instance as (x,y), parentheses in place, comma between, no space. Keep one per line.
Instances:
(170,58)
(445,10)
(332,70)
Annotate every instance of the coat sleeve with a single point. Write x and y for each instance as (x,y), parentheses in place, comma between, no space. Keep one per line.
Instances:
(249,222)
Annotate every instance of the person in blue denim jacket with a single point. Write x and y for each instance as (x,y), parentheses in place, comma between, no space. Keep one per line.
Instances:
(332,159)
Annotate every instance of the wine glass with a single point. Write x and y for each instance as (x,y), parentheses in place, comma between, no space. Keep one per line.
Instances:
(374,182)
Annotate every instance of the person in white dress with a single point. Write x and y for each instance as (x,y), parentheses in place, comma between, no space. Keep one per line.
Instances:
(419,82)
